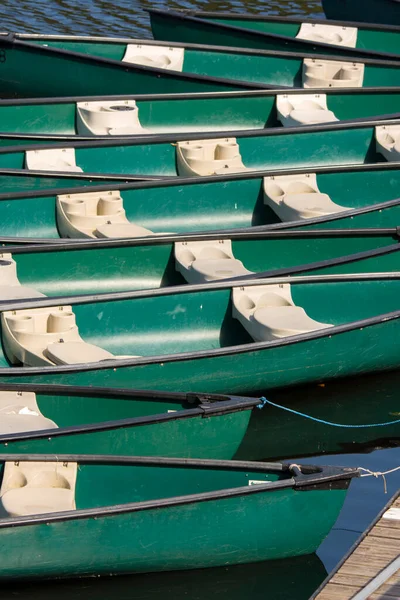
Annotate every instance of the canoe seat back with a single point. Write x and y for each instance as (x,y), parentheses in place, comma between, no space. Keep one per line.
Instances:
(268,312)
(48,335)
(199,262)
(329,34)
(330,73)
(19,412)
(30,488)
(162,57)
(59,159)
(118,117)
(209,157)
(295,197)
(303,109)
(10,286)
(388,141)
(95,215)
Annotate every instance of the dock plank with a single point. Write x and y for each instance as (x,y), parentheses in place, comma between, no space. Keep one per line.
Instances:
(373,554)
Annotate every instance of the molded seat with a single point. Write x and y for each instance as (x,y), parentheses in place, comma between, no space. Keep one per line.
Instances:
(209,157)
(161,57)
(19,412)
(18,503)
(16,292)
(121,230)
(210,270)
(303,109)
(10,287)
(200,262)
(329,34)
(69,353)
(388,141)
(58,159)
(115,117)
(282,321)
(307,206)
(329,73)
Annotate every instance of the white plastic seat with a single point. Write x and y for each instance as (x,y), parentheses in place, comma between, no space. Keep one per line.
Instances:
(70,353)
(19,412)
(58,159)
(161,57)
(303,109)
(296,197)
(10,286)
(200,262)
(388,141)
(30,488)
(268,312)
(330,73)
(209,157)
(328,34)
(118,117)
(95,215)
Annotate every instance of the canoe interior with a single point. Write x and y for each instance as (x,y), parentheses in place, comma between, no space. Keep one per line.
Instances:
(203,320)
(64,271)
(221,112)
(213,205)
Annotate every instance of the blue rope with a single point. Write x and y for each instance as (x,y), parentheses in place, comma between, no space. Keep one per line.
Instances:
(264,401)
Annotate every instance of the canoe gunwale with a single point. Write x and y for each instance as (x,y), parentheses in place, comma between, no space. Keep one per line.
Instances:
(171,138)
(199,95)
(203,410)
(198,354)
(14,39)
(359,53)
(289,19)
(319,477)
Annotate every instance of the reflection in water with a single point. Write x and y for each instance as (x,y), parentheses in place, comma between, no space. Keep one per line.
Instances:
(124,17)
(294,579)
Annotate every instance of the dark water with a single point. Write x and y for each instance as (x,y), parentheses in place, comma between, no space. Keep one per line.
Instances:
(367,400)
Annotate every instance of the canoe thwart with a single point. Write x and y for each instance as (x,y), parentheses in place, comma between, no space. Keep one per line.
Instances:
(295,197)
(388,142)
(30,488)
(199,262)
(303,109)
(113,117)
(209,157)
(331,73)
(268,312)
(329,34)
(55,159)
(162,57)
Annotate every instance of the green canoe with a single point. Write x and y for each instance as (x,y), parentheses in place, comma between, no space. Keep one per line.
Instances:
(370,11)
(277,434)
(351,197)
(82,118)
(262,335)
(68,65)
(141,514)
(62,419)
(275,33)
(101,266)
(229,583)
(193,154)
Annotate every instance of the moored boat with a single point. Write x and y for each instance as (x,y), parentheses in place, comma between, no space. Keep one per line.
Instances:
(161,514)
(369,11)
(100,266)
(72,65)
(193,154)
(276,33)
(262,335)
(90,420)
(101,117)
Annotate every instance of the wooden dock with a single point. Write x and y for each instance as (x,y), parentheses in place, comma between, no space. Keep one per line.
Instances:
(371,569)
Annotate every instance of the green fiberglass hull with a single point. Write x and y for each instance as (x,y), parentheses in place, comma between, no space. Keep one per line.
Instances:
(101,266)
(93,420)
(271,33)
(276,148)
(189,338)
(370,11)
(138,515)
(69,66)
(369,196)
(58,119)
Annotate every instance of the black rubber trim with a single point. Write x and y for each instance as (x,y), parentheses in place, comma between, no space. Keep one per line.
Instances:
(309,476)
(195,355)
(298,20)
(358,53)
